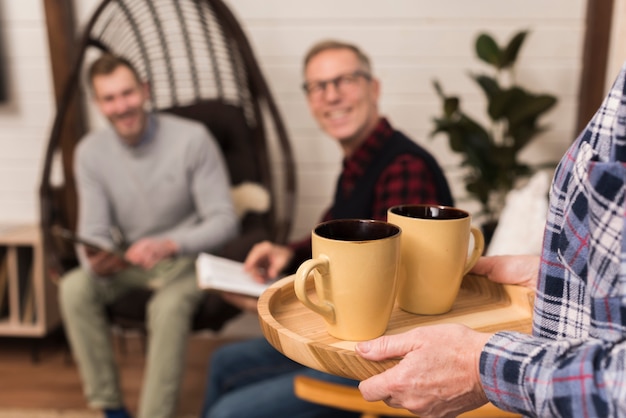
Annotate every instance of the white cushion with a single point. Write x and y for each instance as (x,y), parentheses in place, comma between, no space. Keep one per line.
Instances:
(250,197)
(522,221)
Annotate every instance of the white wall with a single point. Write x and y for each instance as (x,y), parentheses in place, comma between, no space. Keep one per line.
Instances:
(25,119)
(410,41)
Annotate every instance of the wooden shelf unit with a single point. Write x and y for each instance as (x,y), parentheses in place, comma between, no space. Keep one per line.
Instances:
(29,307)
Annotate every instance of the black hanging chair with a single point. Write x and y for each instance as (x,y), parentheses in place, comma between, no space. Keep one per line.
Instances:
(200,65)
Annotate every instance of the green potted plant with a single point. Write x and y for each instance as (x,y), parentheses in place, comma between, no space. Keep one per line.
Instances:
(490,153)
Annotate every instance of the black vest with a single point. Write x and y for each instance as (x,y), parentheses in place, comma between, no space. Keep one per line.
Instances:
(361,200)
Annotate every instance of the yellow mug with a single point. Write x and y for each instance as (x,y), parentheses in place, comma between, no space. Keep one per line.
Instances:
(434,255)
(354,266)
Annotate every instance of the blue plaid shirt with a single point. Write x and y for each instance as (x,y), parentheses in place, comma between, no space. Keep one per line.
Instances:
(574,365)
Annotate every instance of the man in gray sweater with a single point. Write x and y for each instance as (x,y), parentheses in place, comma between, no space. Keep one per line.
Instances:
(161,183)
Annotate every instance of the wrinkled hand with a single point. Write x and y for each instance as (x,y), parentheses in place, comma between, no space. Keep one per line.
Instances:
(147,252)
(266,260)
(509,269)
(104,263)
(438,373)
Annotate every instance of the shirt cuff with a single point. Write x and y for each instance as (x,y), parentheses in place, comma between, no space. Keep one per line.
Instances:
(503,365)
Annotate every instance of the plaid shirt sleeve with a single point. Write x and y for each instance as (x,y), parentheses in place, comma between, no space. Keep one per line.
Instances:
(574,364)
(406,180)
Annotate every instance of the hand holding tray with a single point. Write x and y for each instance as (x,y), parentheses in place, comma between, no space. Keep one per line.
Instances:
(301,335)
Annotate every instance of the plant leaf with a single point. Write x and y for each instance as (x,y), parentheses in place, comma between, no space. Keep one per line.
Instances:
(530,107)
(511,51)
(464,134)
(438,89)
(501,103)
(487,50)
(451,106)
(523,133)
(477,188)
(489,85)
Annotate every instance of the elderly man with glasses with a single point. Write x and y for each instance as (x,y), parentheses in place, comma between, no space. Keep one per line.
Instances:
(381,168)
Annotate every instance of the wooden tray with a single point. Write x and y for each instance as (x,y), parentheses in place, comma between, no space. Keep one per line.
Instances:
(301,335)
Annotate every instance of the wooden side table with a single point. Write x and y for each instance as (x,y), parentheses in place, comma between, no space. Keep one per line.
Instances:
(28,301)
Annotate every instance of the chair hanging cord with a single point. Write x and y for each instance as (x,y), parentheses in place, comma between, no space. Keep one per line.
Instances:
(137,32)
(219,84)
(166,52)
(189,51)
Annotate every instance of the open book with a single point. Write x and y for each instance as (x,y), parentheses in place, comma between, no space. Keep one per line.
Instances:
(223,274)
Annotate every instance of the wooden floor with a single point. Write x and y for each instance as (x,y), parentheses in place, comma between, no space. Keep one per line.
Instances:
(52,382)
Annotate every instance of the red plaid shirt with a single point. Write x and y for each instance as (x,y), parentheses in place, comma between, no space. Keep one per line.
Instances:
(406,180)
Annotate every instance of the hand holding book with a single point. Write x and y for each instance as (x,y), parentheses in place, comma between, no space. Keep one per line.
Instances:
(220,273)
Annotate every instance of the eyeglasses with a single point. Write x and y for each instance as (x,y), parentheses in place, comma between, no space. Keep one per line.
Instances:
(342,83)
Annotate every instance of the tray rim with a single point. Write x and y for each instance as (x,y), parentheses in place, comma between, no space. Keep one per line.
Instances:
(520,297)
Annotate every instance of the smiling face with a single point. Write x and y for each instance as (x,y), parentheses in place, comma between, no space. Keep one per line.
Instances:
(346,110)
(121,97)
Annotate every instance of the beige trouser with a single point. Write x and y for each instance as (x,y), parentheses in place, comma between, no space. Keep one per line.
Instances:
(83,299)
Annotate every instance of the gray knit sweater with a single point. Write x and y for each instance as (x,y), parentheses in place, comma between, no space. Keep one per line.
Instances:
(173,184)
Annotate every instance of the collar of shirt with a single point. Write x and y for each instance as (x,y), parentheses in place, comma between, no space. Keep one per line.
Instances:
(148,133)
(355,165)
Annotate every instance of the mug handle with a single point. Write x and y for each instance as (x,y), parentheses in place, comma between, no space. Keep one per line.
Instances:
(479,246)
(325,308)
